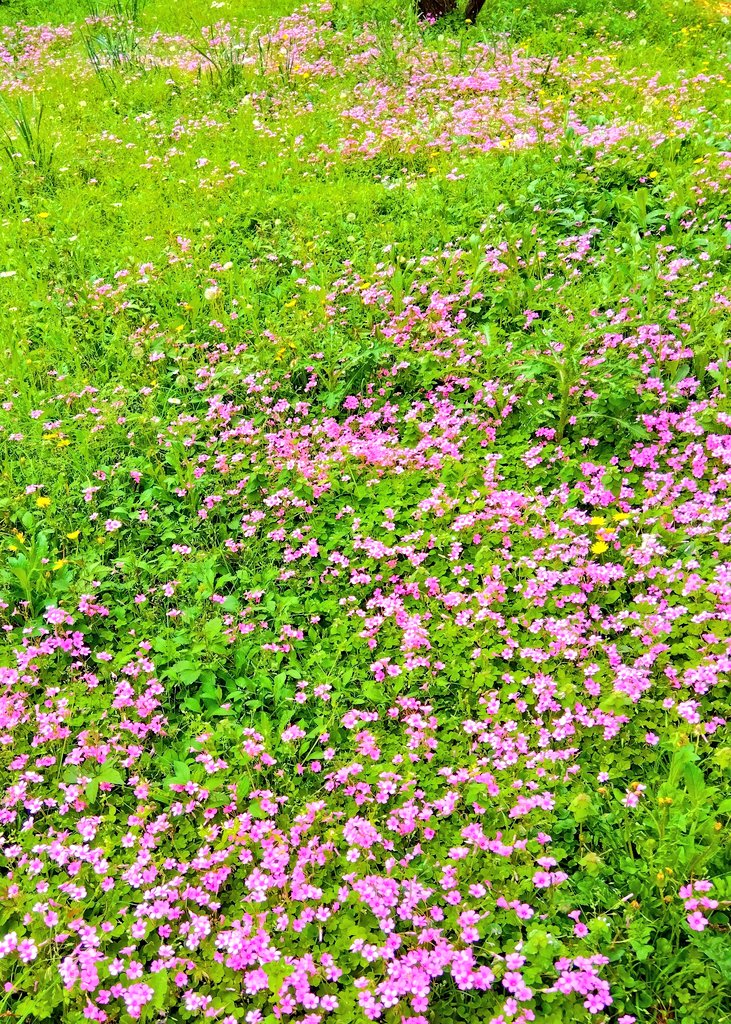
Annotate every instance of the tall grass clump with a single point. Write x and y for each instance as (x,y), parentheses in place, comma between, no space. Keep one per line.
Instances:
(24,138)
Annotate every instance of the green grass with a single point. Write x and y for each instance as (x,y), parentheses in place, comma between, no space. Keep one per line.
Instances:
(216,265)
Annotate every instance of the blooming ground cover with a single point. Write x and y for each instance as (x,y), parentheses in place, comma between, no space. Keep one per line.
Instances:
(365,573)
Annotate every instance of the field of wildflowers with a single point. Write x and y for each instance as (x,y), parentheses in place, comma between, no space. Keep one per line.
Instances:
(365,521)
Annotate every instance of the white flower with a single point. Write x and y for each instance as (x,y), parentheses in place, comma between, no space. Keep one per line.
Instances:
(212,292)
(8,273)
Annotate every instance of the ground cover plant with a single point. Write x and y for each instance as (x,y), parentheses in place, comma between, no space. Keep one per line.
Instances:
(365,572)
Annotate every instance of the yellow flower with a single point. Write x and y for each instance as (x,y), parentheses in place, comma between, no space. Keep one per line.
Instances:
(12,547)
(292,302)
(597,521)
(599,548)
(64,443)
(42,216)
(74,535)
(59,564)
(19,535)
(620,517)
(43,502)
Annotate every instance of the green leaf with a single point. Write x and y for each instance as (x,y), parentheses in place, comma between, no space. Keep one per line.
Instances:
(694,782)
(276,974)
(582,807)
(158,982)
(717,948)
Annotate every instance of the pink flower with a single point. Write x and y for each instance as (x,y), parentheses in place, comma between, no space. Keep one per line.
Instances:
(293,732)
(27,950)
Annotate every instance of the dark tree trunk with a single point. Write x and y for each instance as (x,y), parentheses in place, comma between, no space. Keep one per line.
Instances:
(436,8)
(472,9)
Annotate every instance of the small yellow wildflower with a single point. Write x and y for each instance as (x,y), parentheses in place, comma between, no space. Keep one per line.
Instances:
(620,517)
(74,535)
(597,521)
(20,536)
(59,564)
(42,216)
(599,548)
(43,501)
(64,443)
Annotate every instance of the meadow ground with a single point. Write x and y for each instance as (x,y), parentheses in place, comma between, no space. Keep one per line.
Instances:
(365,566)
